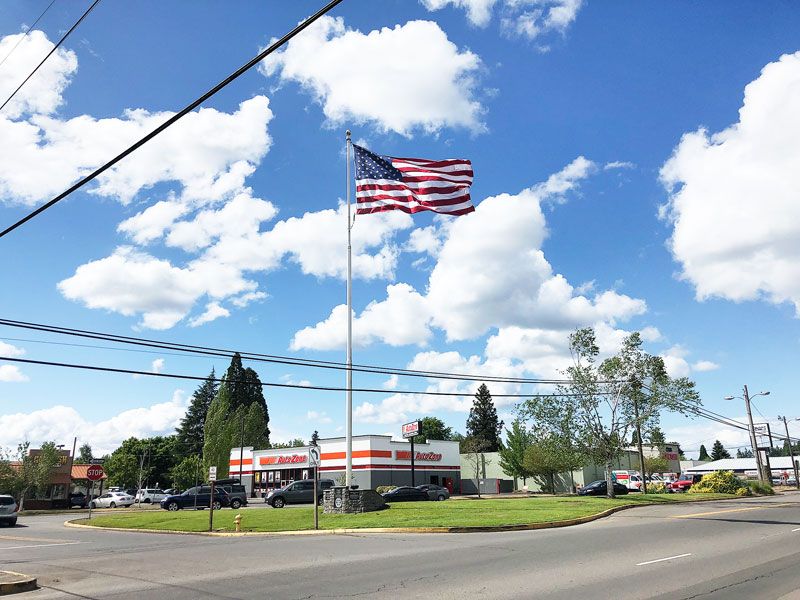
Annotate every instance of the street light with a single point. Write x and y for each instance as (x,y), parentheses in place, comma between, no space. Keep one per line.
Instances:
(756,453)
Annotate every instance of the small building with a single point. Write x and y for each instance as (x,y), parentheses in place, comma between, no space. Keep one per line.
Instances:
(745,467)
(55,495)
(377,460)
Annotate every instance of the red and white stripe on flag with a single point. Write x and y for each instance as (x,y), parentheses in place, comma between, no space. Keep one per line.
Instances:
(414,185)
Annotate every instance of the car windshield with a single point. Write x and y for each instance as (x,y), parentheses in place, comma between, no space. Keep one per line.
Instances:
(6,501)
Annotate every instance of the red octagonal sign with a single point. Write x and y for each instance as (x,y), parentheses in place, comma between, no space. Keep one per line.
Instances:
(95,473)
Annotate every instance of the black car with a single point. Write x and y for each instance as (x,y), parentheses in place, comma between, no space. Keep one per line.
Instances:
(236,492)
(78,499)
(600,488)
(298,492)
(405,494)
(197,497)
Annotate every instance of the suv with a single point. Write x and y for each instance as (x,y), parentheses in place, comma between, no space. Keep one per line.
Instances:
(196,497)
(77,499)
(298,492)
(148,495)
(236,492)
(8,510)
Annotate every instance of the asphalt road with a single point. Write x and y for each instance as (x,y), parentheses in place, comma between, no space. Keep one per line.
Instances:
(747,548)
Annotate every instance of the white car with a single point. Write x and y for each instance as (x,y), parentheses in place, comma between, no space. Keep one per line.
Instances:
(8,510)
(112,500)
(150,496)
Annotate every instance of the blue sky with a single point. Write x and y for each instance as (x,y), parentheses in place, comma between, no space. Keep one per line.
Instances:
(636,168)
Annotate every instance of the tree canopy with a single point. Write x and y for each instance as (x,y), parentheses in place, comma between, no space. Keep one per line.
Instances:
(483,423)
(191,431)
(703,453)
(512,454)
(718,451)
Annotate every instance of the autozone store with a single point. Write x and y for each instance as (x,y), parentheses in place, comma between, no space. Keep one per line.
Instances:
(377,460)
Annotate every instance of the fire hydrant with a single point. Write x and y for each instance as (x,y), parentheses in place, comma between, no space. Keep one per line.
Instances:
(238,522)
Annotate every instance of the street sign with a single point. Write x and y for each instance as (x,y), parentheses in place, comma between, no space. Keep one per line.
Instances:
(95,473)
(212,473)
(313,456)
(410,429)
(97,461)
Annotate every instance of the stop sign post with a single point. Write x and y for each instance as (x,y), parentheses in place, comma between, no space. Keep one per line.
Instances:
(93,473)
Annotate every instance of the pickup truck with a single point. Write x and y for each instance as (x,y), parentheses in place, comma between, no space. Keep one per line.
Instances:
(684,482)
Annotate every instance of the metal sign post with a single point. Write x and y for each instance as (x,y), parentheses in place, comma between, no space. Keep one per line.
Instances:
(411,430)
(91,491)
(212,477)
(313,461)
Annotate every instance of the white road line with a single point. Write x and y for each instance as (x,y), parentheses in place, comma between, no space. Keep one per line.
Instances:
(658,560)
(798,529)
(38,546)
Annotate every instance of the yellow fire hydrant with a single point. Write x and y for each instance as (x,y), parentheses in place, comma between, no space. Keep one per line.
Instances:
(238,522)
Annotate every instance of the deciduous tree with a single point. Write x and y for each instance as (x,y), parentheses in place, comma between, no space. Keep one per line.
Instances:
(85,454)
(512,454)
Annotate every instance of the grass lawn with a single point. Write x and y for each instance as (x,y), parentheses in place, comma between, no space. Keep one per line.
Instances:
(452,513)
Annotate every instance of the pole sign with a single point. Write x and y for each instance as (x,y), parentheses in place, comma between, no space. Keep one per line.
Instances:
(313,457)
(212,473)
(95,473)
(410,429)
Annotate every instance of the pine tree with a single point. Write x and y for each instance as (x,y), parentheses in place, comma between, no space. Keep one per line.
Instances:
(744,453)
(219,433)
(718,451)
(244,388)
(483,423)
(190,432)
(656,437)
(703,453)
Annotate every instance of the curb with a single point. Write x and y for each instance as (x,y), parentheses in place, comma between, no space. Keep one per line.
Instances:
(350,531)
(19,582)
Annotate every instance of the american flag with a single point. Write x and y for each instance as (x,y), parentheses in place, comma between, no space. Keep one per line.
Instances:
(411,184)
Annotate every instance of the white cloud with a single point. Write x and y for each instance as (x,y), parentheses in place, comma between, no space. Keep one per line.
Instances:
(213,312)
(318,417)
(677,365)
(528,18)
(157,365)
(12,374)
(704,365)
(60,423)
(391,383)
(432,87)
(618,164)
(42,93)
(733,196)
(10,350)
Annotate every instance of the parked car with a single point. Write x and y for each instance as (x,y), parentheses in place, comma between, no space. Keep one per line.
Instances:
(150,495)
(196,497)
(112,500)
(600,488)
(405,494)
(8,510)
(435,492)
(236,492)
(684,482)
(171,492)
(78,499)
(299,492)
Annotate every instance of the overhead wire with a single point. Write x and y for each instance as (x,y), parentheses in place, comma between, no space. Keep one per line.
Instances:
(27,32)
(174,118)
(54,48)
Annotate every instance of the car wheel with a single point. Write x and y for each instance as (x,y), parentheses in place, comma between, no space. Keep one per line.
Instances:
(113,505)
(278,502)
(92,505)
(441,497)
(146,500)
(236,504)
(173,506)
(12,522)
(217,505)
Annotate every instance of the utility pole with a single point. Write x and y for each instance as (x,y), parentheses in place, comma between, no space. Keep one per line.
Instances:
(791,452)
(753,441)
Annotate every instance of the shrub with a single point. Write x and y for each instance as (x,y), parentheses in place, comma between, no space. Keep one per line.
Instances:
(718,482)
(656,488)
(382,489)
(760,489)
(745,491)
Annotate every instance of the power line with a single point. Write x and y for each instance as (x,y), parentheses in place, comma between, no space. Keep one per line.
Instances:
(182,113)
(27,32)
(272,358)
(56,47)
(263,384)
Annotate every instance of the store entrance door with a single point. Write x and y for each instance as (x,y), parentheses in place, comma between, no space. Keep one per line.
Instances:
(448,483)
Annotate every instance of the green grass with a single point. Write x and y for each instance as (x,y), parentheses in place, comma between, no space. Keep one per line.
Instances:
(452,513)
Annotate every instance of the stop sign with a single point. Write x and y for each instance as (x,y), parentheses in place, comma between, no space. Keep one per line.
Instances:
(94,473)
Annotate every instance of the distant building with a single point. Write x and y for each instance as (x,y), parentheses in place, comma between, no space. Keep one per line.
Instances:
(745,467)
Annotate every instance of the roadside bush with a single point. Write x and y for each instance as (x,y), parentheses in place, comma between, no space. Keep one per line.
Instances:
(718,482)
(745,491)
(760,489)
(382,489)
(656,488)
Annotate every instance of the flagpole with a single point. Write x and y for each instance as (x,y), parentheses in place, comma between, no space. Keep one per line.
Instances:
(349,406)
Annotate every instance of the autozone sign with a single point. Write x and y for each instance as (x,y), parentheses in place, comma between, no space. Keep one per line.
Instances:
(286,459)
(421,456)
(410,429)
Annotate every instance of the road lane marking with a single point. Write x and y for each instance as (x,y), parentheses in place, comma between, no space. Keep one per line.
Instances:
(732,510)
(22,538)
(798,529)
(658,560)
(38,546)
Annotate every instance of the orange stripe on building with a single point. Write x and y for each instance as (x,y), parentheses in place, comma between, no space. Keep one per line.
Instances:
(358,454)
(235,463)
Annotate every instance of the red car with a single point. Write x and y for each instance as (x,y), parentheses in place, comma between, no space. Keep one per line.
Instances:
(684,482)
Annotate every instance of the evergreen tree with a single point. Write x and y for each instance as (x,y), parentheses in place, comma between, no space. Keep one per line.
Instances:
(512,454)
(220,433)
(656,437)
(718,451)
(85,455)
(635,438)
(483,423)
(244,388)
(190,432)
(703,453)
(744,453)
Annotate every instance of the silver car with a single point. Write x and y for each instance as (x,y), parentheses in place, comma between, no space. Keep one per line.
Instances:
(8,510)
(112,500)
(435,492)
